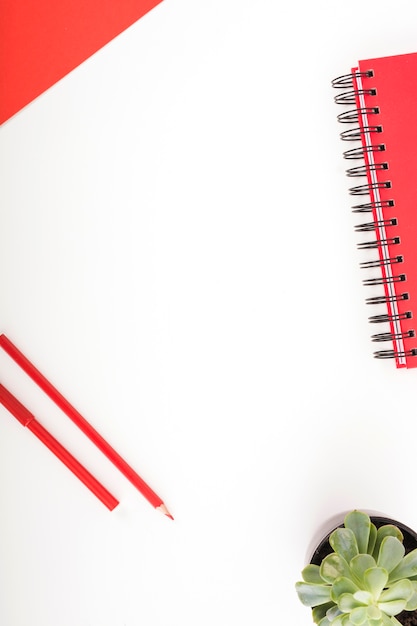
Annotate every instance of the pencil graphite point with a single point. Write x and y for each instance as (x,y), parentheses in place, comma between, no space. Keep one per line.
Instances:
(164,510)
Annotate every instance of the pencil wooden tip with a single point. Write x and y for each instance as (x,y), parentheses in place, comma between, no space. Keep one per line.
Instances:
(164,510)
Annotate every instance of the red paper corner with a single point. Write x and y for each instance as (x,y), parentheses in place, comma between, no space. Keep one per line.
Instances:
(43,40)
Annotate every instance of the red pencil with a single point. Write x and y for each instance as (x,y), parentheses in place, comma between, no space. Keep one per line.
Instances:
(26,418)
(82,423)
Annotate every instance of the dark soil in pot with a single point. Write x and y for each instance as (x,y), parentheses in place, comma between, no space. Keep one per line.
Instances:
(407,618)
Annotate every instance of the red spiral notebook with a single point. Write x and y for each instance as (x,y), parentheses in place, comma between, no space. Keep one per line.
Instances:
(380,100)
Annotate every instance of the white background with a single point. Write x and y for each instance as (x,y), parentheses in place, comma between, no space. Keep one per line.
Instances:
(178,257)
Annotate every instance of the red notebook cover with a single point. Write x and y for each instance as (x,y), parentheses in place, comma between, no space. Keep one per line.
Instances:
(383,130)
(43,40)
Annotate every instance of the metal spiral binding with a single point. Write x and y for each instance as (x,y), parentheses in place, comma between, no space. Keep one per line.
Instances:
(369,207)
(347,79)
(393,336)
(362,170)
(384,280)
(395,354)
(359,153)
(363,228)
(349,97)
(386,317)
(385,299)
(378,243)
(353,134)
(353,116)
(375,206)
(364,190)
(381,262)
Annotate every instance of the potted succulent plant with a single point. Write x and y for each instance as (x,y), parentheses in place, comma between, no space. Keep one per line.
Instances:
(363,574)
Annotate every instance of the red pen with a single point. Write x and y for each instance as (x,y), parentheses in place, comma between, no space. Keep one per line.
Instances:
(26,418)
(84,426)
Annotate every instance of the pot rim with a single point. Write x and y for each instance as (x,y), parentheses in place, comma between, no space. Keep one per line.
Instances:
(336,521)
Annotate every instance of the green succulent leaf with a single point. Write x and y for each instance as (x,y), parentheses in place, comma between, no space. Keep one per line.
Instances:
(373,612)
(389,620)
(359,616)
(324,622)
(359,564)
(360,524)
(388,530)
(364,597)
(311,574)
(406,568)
(375,580)
(334,566)
(343,541)
(372,539)
(392,608)
(321,611)
(341,620)
(333,612)
(313,595)
(412,601)
(401,590)
(342,585)
(391,552)
(348,601)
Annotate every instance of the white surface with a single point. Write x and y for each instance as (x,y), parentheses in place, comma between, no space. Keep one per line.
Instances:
(178,257)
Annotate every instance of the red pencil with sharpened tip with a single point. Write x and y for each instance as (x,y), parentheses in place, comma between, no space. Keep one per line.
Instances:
(26,418)
(83,425)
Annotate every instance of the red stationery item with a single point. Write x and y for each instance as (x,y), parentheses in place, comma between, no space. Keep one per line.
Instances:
(43,40)
(83,425)
(384,125)
(27,419)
